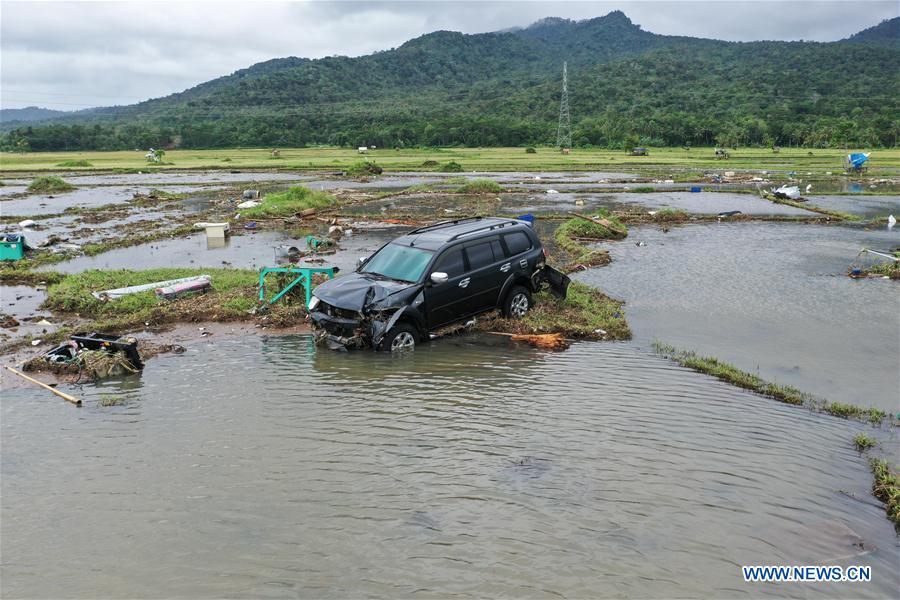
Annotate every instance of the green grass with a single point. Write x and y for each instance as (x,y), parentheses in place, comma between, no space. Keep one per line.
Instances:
(883,162)
(783,393)
(72,293)
(479,186)
(888,269)
(863,442)
(363,168)
(671,214)
(886,488)
(585,313)
(49,184)
(289,202)
(112,400)
(451,167)
(570,234)
(74,163)
(644,189)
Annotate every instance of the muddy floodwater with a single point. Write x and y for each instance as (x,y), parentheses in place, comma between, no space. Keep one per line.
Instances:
(262,467)
(772,298)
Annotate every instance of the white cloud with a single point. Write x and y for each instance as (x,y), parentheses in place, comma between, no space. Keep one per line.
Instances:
(77,54)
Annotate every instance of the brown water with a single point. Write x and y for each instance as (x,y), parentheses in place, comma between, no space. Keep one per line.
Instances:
(266,468)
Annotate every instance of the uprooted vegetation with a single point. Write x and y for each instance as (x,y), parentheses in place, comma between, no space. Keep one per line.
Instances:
(363,169)
(74,163)
(888,269)
(586,313)
(479,186)
(49,184)
(886,488)
(289,202)
(783,393)
(572,235)
(451,167)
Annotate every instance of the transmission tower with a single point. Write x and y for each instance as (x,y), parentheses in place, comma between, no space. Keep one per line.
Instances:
(564,129)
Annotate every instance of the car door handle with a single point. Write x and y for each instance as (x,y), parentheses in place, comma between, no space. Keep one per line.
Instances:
(505,267)
(523,263)
(464,283)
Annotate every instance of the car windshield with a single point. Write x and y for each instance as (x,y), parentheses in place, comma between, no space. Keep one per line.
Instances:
(394,261)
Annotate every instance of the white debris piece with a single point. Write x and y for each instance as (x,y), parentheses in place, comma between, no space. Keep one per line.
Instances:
(248,204)
(787,191)
(891,222)
(552,192)
(27,223)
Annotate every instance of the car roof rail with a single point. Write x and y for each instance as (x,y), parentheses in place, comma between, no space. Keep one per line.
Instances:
(444,224)
(505,223)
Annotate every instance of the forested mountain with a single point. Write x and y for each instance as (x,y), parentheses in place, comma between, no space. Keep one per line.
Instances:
(627,86)
(29,113)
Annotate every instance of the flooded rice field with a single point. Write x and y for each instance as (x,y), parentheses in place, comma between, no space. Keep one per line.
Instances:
(89,197)
(263,467)
(772,298)
(868,207)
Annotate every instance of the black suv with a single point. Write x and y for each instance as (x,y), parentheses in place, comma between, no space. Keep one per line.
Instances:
(433,277)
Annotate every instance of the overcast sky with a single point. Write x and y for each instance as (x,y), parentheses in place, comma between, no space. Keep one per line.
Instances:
(70,55)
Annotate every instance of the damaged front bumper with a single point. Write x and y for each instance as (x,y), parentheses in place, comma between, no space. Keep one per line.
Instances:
(343,332)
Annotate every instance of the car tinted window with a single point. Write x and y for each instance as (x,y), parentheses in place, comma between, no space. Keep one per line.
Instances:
(517,242)
(480,255)
(497,249)
(451,263)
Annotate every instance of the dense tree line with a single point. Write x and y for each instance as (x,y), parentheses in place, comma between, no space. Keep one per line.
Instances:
(627,87)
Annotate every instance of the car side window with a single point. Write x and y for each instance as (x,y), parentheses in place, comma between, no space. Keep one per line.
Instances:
(480,255)
(451,262)
(517,242)
(497,249)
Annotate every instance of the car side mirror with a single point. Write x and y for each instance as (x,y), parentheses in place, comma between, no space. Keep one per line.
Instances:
(361,260)
(438,278)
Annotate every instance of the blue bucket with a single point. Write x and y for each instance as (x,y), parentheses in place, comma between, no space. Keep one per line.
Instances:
(695,189)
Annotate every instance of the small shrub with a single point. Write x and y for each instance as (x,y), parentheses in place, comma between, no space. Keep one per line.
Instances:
(50,184)
(530,150)
(111,400)
(886,488)
(479,186)
(644,189)
(74,163)
(451,167)
(863,442)
(430,164)
(364,168)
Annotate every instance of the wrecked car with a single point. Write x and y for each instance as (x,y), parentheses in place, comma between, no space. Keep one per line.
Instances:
(433,277)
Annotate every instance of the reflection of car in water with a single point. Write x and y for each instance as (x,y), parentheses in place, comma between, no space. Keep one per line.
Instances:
(432,277)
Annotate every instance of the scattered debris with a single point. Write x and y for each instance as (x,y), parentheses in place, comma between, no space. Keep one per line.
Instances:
(146,287)
(249,204)
(62,395)
(186,288)
(548,341)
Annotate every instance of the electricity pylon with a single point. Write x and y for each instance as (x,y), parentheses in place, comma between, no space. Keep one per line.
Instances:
(564,129)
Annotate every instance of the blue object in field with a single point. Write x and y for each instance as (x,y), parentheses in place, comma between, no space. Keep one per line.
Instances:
(695,189)
(857,159)
(529,218)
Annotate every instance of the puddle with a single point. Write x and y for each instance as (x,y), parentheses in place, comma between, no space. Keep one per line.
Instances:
(246,251)
(312,473)
(182,177)
(21,301)
(769,298)
(36,204)
(869,207)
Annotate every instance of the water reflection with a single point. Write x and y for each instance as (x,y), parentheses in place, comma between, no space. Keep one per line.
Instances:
(262,466)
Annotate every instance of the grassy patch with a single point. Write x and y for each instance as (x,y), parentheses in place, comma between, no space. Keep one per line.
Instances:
(479,186)
(644,189)
(111,400)
(74,163)
(731,374)
(671,214)
(50,184)
(850,411)
(837,214)
(886,488)
(863,441)
(585,313)
(451,167)
(888,269)
(289,202)
(364,168)
(570,235)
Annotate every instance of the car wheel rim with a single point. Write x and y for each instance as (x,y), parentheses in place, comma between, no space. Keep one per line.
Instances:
(403,341)
(519,305)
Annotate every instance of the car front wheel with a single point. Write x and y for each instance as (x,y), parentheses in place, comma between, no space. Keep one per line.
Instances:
(517,304)
(401,338)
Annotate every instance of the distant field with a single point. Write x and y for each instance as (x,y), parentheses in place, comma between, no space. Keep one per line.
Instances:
(883,162)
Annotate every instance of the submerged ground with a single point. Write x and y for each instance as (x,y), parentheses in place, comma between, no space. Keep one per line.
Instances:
(257,464)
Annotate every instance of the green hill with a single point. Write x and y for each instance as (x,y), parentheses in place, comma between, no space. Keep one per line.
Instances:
(627,86)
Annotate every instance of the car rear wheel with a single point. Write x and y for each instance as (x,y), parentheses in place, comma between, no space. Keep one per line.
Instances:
(401,338)
(517,304)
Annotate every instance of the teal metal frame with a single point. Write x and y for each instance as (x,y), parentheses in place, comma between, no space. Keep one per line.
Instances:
(304,276)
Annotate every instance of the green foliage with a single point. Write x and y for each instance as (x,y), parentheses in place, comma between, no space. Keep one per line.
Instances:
(584,311)
(289,202)
(50,184)
(364,168)
(863,441)
(575,229)
(644,189)
(479,186)
(451,167)
(886,488)
(530,150)
(430,164)
(632,88)
(74,163)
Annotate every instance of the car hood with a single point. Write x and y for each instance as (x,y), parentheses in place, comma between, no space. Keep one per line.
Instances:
(355,291)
